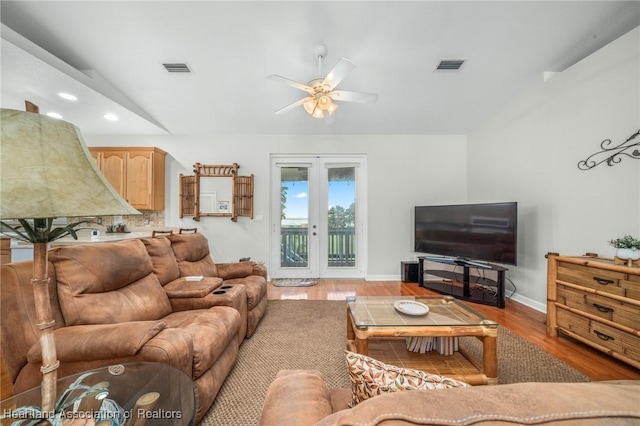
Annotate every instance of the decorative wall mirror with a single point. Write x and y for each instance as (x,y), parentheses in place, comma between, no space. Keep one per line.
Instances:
(228,196)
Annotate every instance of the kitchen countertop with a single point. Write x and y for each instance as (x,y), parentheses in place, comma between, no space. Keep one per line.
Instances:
(102,238)
(84,236)
(21,251)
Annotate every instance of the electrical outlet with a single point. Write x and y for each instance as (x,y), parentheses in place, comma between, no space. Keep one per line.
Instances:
(99,220)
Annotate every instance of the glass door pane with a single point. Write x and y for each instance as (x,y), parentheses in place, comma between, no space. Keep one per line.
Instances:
(318,216)
(294,217)
(341,217)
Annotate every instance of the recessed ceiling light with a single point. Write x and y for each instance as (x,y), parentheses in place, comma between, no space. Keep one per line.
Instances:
(111,117)
(67,96)
(54,115)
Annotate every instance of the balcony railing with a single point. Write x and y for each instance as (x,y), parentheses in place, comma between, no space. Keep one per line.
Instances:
(294,247)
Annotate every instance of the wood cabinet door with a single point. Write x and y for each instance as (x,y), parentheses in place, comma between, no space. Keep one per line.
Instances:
(137,174)
(112,166)
(139,183)
(96,157)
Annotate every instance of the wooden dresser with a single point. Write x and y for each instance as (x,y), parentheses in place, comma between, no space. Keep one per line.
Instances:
(597,302)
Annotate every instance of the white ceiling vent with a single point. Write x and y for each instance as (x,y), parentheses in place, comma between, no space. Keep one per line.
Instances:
(177,67)
(450,65)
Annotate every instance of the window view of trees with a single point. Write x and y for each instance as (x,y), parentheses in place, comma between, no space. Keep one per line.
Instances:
(341,220)
(283,201)
(339,217)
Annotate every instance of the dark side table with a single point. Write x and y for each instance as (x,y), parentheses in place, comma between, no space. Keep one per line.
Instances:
(142,393)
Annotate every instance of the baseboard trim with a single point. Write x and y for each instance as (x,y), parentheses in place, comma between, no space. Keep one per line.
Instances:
(382,278)
(533,304)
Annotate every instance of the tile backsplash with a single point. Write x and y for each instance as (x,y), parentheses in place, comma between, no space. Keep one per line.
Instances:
(147,218)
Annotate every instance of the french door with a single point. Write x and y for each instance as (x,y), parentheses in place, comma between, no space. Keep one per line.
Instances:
(318,216)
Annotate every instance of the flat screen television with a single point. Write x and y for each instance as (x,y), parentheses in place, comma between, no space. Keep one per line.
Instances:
(482,232)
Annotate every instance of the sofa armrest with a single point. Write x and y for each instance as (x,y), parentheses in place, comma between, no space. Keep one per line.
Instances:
(296,398)
(173,346)
(524,403)
(259,269)
(228,271)
(99,341)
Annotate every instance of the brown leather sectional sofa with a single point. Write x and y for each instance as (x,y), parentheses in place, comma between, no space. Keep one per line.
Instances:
(130,301)
(301,397)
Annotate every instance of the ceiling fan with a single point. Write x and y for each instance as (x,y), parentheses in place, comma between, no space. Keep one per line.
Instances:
(321,90)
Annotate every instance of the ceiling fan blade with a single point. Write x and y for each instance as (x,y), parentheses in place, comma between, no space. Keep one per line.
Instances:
(338,73)
(284,80)
(293,105)
(343,95)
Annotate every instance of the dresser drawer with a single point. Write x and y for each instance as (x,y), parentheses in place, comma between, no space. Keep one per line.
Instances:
(602,335)
(603,307)
(598,279)
(631,287)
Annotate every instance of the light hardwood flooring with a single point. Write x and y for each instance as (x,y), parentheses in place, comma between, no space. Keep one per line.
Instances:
(522,320)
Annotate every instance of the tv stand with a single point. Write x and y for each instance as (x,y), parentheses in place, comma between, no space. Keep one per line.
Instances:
(474,288)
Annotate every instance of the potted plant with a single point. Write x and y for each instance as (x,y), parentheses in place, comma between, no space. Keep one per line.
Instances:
(627,247)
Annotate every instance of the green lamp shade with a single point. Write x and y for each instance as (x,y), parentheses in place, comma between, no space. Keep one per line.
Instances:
(47,171)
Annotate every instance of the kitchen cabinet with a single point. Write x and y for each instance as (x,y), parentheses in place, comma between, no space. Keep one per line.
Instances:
(137,174)
(5,250)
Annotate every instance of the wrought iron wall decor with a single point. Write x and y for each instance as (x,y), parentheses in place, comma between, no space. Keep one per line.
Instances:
(612,154)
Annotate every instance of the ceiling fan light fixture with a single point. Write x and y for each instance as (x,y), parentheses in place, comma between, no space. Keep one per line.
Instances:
(324,102)
(318,113)
(310,106)
(319,104)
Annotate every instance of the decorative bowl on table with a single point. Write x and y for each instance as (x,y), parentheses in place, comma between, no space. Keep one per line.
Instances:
(411,307)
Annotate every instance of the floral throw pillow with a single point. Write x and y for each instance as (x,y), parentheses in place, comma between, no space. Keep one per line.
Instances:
(370,377)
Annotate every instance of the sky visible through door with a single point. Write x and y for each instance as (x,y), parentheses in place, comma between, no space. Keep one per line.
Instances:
(341,194)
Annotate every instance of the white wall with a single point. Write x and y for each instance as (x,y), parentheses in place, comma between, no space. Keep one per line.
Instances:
(402,171)
(529,153)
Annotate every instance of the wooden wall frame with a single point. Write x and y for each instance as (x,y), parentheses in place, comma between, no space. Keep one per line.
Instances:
(241,188)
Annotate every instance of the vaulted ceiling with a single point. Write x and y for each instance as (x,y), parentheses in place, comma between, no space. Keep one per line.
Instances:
(110,54)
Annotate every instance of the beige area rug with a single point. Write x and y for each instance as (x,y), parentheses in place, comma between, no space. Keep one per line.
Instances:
(311,335)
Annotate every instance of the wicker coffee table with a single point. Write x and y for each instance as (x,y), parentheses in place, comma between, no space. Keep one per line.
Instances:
(373,320)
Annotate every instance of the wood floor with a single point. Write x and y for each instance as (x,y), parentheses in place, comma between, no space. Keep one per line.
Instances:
(522,320)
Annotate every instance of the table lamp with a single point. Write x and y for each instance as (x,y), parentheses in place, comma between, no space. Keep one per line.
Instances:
(46,173)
